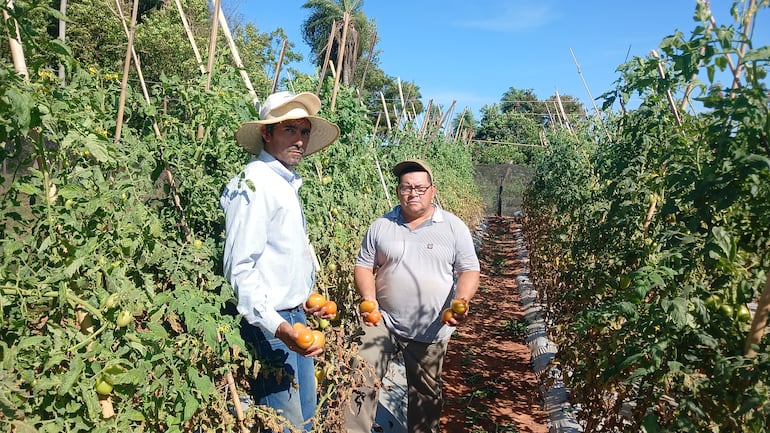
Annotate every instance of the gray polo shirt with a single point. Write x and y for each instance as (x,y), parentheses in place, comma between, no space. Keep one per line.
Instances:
(415,277)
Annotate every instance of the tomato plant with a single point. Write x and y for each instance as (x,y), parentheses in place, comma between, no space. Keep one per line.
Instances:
(649,236)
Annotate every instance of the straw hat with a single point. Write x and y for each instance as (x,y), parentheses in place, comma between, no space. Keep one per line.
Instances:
(285,106)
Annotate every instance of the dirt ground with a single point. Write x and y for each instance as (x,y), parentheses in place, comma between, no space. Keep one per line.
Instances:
(489,385)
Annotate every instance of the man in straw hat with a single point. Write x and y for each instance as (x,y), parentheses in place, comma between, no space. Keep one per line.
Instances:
(267,257)
(416,262)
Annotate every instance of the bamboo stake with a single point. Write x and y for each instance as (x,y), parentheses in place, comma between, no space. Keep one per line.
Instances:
(137,65)
(564,114)
(62,36)
(460,124)
(368,59)
(166,170)
(212,44)
(237,56)
(17,49)
(382,179)
(385,109)
(448,117)
(278,67)
(748,18)
(550,116)
(400,95)
(691,84)
(190,36)
(340,56)
(328,54)
(126,69)
(590,96)
(425,120)
(669,96)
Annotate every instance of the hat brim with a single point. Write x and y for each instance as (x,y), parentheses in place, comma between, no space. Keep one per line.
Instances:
(322,134)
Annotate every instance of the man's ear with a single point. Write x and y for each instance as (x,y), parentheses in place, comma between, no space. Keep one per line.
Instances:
(265,135)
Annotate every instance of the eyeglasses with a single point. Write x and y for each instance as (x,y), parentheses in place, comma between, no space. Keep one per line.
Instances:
(417,189)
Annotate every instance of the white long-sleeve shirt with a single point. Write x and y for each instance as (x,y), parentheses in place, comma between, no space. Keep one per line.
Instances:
(267,258)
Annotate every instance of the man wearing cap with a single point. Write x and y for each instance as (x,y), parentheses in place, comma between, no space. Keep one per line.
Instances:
(414,261)
(267,256)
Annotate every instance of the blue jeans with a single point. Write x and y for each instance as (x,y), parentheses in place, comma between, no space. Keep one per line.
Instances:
(286,380)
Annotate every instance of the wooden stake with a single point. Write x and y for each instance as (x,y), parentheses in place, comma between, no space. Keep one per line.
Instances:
(237,56)
(400,95)
(669,96)
(564,113)
(62,37)
(368,59)
(460,124)
(332,35)
(212,45)
(17,49)
(278,67)
(340,56)
(590,96)
(748,18)
(190,36)
(426,119)
(126,69)
(385,109)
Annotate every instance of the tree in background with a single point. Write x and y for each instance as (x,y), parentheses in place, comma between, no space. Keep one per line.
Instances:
(520,101)
(317,28)
(466,124)
(501,134)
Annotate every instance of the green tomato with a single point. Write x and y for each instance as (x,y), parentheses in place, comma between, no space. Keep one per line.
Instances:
(124,318)
(743,314)
(323,323)
(726,310)
(713,302)
(111,301)
(103,387)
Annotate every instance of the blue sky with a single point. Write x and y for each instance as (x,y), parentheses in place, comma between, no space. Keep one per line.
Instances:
(473,51)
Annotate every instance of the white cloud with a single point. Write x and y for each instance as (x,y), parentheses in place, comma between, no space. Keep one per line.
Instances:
(512,19)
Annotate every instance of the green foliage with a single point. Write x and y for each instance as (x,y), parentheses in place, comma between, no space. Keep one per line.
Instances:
(110,268)
(649,244)
(506,137)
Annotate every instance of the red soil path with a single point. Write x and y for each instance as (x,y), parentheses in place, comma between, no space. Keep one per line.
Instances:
(489,385)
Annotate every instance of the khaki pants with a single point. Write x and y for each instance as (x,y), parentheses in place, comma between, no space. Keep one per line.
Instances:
(422,362)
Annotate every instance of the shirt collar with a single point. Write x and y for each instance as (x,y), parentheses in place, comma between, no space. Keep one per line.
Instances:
(291,176)
(437,217)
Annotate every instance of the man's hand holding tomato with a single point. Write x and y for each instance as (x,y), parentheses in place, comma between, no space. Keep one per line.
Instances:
(317,305)
(370,312)
(290,334)
(456,313)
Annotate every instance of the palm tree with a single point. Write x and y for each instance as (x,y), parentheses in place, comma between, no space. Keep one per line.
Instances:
(318,26)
